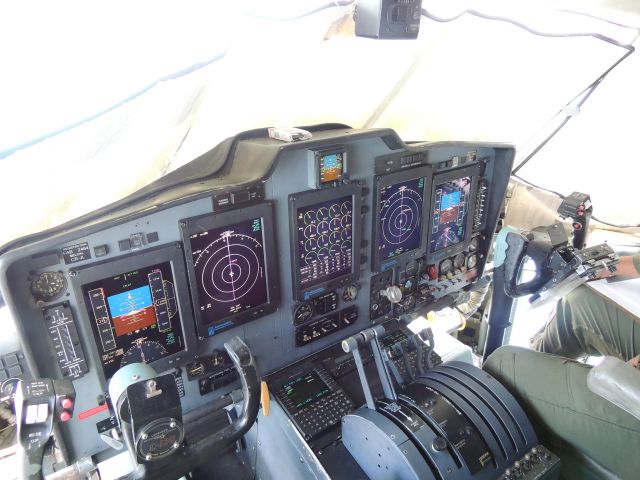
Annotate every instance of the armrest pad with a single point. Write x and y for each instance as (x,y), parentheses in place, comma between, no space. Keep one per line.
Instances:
(617,382)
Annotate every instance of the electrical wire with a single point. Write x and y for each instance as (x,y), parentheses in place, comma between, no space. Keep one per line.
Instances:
(562,197)
(595,17)
(526,27)
(585,93)
(336,3)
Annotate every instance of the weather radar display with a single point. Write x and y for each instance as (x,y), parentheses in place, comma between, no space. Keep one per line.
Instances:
(325,237)
(450,213)
(400,226)
(229,265)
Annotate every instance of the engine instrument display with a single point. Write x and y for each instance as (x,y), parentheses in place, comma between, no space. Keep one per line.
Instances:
(135,316)
(231,260)
(450,213)
(306,389)
(325,240)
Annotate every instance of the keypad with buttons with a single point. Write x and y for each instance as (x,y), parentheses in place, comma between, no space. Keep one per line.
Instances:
(323,412)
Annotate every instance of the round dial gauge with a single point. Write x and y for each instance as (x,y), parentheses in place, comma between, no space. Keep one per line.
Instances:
(412,268)
(446,266)
(10,387)
(349,293)
(472,261)
(458,260)
(303,313)
(143,351)
(48,285)
(474,244)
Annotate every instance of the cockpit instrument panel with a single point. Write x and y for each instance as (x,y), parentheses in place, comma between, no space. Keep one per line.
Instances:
(290,246)
(401,212)
(134,309)
(231,265)
(325,237)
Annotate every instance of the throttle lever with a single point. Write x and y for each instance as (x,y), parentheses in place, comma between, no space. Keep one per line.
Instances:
(38,403)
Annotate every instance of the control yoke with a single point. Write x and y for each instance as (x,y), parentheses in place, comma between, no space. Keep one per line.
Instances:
(39,404)
(559,268)
(150,417)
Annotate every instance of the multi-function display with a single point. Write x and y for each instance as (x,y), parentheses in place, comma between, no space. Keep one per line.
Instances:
(400,218)
(306,389)
(134,316)
(229,267)
(450,212)
(325,241)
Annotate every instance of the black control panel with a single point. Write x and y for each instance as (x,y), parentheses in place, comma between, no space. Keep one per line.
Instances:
(314,401)
(538,464)
(319,390)
(326,326)
(66,342)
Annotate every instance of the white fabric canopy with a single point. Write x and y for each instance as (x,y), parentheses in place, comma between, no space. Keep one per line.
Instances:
(98,101)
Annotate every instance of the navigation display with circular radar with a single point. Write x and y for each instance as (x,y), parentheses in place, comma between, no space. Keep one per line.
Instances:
(400,225)
(229,264)
(325,241)
(450,211)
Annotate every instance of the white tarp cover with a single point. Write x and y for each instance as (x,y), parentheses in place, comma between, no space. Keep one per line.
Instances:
(97,100)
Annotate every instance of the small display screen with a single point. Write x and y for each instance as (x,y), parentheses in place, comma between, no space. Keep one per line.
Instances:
(325,236)
(392,338)
(229,265)
(400,220)
(135,316)
(450,211)
(331,167)
(305,390)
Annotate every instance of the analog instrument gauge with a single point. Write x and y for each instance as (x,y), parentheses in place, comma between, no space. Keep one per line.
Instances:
(446,266)
(10,387)
(349,293)
(458,261)
(474,244)
(48,285)
(302,313)
(412,268)
(408,302)
(144,351)
(472,261)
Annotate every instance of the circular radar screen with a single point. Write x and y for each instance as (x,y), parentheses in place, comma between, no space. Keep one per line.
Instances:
(325,249)
(229,264)
(400,207)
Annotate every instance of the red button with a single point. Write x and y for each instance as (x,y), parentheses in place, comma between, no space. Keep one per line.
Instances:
(65,416)
(66,403)
(432,272)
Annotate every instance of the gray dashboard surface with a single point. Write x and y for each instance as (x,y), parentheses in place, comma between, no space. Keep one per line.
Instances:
(248,164)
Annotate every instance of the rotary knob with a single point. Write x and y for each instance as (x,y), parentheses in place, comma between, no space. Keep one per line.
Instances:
(393,293)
